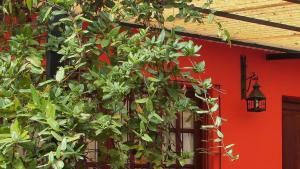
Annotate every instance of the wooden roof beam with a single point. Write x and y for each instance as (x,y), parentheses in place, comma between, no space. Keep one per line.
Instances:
(249,19)
(294,1)
(281,56)
(272,37)
(258,7)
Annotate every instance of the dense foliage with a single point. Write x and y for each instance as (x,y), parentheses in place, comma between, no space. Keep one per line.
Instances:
(131,92)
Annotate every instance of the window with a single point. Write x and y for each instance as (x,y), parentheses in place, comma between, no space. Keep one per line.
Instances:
(92,156)
(186,135)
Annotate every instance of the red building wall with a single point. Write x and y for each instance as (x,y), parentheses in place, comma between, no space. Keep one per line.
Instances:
(258,136)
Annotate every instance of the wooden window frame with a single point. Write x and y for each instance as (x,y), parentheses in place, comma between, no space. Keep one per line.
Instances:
(200,160)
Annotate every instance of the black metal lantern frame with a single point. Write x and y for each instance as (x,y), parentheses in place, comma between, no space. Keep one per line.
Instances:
(256,100)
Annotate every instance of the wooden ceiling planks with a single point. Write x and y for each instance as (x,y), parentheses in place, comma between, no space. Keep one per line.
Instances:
(229,5)
(275,11)
(289,14)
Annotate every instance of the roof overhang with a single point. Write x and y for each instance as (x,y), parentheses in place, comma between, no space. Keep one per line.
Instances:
(268,24)
(272,25)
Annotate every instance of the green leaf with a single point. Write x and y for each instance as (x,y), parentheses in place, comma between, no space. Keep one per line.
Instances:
(181,162)
(174,93)
(85,19)
(210,17)
(45,82)
(220,134)
(66,20)
(15,130)
(149,105)
(77,17)
(147,138)
(35,2)
(142,118)
(18,164)
(99,131)
(5,103)
(29,4)
(58,152)
(214,108)
(51,157)
(17,103)
(6,140)
(207,84)
(34,95)
(202,111)
(58,165)
(75,137)
(179,28)
(207,126)
(171,18)
(217,140)
(10,6)
(152,71)
(115,31)
(199,67)
(152,79)
(23,67)
(63,145)
(229,146)
(161,36)
(143,100)
(157,116)
(70,37)
(50,110)
(53,124)
(103,42)
(60,74)
(59,12)
(226,36)
(47,13)
(4,136)
(218,121)
(56,136)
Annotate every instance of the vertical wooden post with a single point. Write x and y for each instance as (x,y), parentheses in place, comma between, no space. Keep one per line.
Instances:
(52,57)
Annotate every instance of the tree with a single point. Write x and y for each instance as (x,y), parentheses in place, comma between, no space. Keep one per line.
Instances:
(133,91)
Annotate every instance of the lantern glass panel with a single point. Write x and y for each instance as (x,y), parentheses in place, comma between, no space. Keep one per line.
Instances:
(256,101)
(256,105)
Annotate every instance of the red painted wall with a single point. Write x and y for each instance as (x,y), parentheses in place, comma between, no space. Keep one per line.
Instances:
(258,136)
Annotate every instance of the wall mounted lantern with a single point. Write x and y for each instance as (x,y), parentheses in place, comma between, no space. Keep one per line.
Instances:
(256,100)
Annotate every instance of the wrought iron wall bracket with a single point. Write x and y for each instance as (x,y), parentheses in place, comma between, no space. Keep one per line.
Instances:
(243,77)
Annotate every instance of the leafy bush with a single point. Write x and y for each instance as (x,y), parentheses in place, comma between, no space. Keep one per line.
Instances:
(132,92)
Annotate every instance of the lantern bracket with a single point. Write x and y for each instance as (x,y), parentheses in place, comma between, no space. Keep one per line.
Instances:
(253,76)
(256,100)
(244,78)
